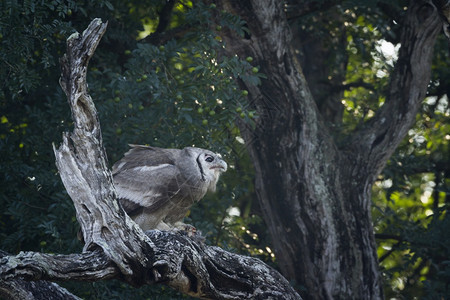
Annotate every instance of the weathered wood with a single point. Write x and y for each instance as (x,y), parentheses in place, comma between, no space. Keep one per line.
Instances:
(115,246)
(180,262)
(33,290)
(211,272)
(82,164)
(17,288)
(88,266)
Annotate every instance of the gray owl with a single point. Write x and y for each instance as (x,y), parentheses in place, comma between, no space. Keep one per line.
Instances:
(157,186)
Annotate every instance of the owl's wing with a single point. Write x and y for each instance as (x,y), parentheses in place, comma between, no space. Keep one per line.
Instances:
(149,187)
(146,177)
(140,155)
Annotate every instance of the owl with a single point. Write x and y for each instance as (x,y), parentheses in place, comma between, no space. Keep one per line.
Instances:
(157,187)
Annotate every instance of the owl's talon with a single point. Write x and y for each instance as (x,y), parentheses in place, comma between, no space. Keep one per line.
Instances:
(186,228)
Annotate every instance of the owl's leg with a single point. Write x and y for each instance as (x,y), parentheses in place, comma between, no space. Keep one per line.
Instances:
(177,226)
(163,226)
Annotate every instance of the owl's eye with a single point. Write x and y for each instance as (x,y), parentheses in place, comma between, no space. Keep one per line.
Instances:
(209,158)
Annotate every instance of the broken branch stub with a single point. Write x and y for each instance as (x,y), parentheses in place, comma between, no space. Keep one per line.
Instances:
(82,164)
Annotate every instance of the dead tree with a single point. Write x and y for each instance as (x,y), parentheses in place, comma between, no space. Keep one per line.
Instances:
(115,247)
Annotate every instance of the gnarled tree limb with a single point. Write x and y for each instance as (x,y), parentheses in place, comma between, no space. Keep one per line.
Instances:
(115,246)
(182,263)
(32,290)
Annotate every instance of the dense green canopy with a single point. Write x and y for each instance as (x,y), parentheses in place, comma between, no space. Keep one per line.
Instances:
(161,79)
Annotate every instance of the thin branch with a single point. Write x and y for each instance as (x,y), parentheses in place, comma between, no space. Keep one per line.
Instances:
(165,15)
(388,253)
(164,21)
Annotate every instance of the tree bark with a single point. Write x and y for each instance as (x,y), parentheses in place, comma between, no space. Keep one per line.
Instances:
(33,290)
(180,262)
(30,290)
(115,246)
(315,197)
(323,57)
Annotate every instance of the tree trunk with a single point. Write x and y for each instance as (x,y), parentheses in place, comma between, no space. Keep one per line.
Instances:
(315,197)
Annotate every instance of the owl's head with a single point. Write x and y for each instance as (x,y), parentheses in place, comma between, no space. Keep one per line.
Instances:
(210,165)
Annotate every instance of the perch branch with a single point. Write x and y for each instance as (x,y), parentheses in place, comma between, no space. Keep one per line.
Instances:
(187,265)
(17,288)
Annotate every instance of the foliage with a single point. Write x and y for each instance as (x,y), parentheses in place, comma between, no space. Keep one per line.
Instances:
(412,199)
(177,90)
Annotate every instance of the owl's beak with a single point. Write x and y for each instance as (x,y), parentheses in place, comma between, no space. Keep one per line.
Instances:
(222,166)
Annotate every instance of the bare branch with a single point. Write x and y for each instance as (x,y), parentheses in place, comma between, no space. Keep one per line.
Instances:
(40,290)
(180,262)
(88,266)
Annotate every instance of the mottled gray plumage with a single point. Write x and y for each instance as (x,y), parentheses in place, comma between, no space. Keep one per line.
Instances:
(157,186)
